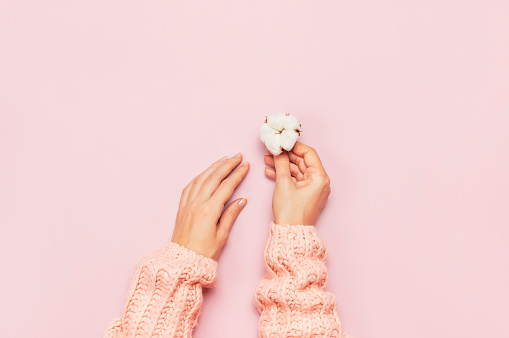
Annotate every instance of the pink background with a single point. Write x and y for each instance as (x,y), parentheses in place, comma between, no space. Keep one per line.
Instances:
(108,109)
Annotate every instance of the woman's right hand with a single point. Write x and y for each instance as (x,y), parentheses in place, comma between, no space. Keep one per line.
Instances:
(302,185)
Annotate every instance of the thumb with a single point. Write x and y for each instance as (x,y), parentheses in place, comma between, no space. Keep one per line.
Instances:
(228,218)
(282,165)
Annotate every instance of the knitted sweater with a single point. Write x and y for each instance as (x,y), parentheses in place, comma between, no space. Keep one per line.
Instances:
(165,294)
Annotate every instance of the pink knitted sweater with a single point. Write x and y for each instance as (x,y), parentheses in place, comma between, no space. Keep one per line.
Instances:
(165,294)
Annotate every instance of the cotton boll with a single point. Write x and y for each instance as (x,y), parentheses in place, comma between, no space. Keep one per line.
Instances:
(273,144)
(291,123)
(280,131)
(288,139)
(276,121)
(266,132)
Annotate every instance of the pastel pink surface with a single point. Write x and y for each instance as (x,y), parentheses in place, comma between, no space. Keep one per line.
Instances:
(108,109)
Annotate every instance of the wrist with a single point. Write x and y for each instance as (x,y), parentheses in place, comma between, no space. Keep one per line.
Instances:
(291,221)
(194,266)
(200,249)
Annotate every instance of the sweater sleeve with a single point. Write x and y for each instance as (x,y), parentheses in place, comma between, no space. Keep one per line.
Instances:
(291,297)
(165,294)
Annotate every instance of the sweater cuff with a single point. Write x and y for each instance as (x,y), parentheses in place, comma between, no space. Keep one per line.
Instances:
(195,268)
(297,240)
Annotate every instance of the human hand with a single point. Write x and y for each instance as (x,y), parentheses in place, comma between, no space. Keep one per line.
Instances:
(302,185)
(201,224)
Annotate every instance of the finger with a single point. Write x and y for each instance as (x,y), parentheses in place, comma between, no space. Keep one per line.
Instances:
(199,180)
(227,186)
(299,161)
(309,154)
(228,218)
(271,173)
(269,160)
(294,170)
(282,165)
(217,176)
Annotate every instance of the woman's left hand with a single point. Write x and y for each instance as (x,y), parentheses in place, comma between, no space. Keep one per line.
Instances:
(201,224)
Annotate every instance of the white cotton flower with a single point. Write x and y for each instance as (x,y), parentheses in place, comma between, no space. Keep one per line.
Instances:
(280,131)
(267,132)
(288,139)
(291,123)
(273,143)
(276,121)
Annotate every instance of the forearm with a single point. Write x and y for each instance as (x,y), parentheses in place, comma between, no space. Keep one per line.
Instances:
(291,297)
(165,294)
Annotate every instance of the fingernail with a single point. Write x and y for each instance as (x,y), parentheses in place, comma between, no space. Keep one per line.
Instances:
(244,164)
(224,158)
(236,155)
(242,202)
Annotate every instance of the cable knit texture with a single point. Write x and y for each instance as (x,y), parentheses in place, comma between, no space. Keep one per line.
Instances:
(291,297)
(165,294)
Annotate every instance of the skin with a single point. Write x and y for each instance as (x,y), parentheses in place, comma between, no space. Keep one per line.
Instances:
(302,185)
(302,189)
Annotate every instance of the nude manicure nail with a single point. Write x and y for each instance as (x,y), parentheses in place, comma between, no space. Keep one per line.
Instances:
(224,158)
(242,202)
(236,155)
